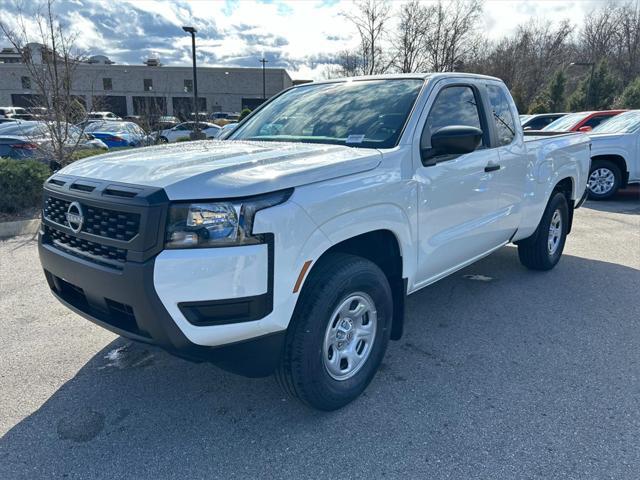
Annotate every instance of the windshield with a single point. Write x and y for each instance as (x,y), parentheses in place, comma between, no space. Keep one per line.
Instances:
(106,127)
(565,123)
(623,123)
(368,114)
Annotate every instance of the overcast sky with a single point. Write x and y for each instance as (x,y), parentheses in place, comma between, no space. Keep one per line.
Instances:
(299,35)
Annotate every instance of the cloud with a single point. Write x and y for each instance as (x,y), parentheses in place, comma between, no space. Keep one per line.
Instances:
(301,36)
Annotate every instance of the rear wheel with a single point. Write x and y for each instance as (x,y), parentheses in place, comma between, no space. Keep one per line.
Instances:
(338,334)
(604,179)
(542,251)
(163,140)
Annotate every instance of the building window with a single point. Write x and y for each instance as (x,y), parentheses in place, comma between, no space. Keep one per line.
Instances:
(188,86)
(107,84)
(148,84)
(26,83)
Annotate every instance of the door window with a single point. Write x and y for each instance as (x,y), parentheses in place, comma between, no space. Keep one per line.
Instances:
(501,113)
(454,106)
(539,123)
(593,122)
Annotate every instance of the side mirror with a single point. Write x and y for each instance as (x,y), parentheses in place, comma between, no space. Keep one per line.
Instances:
(586,128)
(452,140)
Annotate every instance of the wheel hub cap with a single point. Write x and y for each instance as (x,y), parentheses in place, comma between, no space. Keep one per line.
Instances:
(555,232)
(601,181)
(349,336)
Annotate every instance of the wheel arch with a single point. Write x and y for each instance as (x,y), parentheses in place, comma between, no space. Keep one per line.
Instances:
(566,187)
(619,161)
(383,248)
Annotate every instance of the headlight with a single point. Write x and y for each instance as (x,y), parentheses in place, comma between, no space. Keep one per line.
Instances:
(217,224)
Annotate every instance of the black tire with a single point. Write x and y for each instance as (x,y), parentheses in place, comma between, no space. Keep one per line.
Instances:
(163,140)
(535,252)
(602,166)
(302,372)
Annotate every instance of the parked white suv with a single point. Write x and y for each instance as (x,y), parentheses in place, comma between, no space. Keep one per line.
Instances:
(291,247)
(103,116)
(615,155)
(10,112)
(183,131)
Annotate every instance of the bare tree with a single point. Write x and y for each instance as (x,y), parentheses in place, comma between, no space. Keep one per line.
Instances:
(410,37)
(527,60)
(599,32)
(346,64)
(629,40)
(452,33)
(51,59)
(371,21)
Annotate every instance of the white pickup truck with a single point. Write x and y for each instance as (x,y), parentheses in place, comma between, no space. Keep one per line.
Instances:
(615,155)
(290,247)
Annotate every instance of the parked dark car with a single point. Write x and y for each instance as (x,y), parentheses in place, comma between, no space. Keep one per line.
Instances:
(540,120)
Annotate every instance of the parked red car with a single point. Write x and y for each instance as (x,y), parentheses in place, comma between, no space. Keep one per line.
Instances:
(581,121)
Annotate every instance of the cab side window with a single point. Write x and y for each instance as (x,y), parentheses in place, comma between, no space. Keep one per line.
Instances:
(454,106)
(593,122)
(502,116)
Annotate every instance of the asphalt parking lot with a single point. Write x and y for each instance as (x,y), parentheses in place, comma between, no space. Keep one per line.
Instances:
(514,374)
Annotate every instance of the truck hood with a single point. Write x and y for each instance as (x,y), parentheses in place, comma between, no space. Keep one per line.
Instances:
(223,169)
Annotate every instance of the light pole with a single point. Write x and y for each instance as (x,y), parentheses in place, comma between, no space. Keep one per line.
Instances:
(195,135)
(592,65)
(264,62)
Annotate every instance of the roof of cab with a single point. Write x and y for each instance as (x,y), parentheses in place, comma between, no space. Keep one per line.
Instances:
(396,76)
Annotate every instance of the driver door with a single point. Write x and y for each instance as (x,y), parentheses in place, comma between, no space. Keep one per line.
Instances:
(457,204)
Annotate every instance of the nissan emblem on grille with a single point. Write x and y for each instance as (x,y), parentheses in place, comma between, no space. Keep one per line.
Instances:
(74,216)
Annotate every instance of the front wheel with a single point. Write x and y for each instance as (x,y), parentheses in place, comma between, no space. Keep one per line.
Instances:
(338,333)
(542,251)
(604,180)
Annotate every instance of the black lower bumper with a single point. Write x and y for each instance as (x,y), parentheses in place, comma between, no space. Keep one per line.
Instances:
(126,303)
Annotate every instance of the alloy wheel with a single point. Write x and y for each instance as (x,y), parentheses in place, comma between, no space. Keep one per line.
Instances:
(601,181)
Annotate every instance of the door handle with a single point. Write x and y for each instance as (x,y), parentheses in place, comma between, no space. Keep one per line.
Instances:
(492,167)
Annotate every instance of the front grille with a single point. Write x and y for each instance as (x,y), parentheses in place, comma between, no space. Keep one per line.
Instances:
(96,252)
(120,222)
(102,222)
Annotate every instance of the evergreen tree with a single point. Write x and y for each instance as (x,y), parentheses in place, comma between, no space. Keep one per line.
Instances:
(630,97)
(555,91)
(577,101)
(541,104)
(595,92)
(244,113)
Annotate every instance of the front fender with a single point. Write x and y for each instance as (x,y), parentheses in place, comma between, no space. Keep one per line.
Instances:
(383,216)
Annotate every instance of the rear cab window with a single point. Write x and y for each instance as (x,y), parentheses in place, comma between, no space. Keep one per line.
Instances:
(501,115)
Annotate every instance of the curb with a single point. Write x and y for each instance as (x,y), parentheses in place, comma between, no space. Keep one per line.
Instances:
(21,227)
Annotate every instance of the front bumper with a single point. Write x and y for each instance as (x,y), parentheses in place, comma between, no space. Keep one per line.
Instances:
(167,301)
